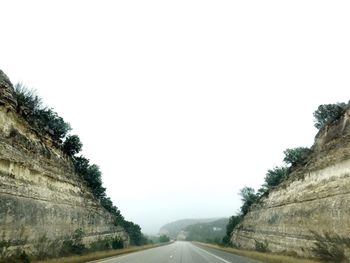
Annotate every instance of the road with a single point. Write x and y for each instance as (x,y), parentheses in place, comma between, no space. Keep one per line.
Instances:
(179,252)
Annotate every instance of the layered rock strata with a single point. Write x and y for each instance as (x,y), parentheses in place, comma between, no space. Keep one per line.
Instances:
(41,197)
(314,200)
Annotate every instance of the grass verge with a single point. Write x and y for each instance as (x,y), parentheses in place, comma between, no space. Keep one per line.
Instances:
(98,255)
(265,257)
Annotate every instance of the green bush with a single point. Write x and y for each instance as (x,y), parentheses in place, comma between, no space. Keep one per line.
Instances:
(92,176)
(72,145)
(328,113)
(296,156)
(248,198)
(275,176)
(330,248)
(232,223)
(101,244)
(48,121)
(134,231)
(4,245)
(28,102)
(261,246)
(164,239)
(73,245)
(19,256)
(45,120)
(117,243)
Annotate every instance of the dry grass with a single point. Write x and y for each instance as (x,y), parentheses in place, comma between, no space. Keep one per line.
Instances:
(265,257)
(97,255)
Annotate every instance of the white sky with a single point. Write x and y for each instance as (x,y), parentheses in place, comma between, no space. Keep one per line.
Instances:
(181,103)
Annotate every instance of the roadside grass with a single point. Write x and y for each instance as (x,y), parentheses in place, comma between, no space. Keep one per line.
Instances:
(97,255)
(265,257)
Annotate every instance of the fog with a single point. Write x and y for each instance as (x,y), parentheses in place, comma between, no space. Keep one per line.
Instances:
(181,103)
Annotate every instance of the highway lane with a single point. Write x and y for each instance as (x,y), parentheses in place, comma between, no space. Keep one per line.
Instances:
(179,252)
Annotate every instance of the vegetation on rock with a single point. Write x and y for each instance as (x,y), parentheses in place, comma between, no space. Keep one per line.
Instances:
(331,248)
(43,119)
(47,122)
(232,223)
(328,113)
(296,156)
(248,197)
(324,115)
(72,145)
(164,239)
(274,177)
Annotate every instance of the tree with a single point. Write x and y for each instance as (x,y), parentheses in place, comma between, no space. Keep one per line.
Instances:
(92,176)
(164,239)
(94,180)
(328,113)
(275,176)
(134,231)
(296,156)
(72,145)
(248,198)
(49,121)
(232,223)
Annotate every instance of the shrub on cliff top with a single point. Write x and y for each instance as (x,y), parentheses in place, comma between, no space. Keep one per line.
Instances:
(28,102)
(72,145)
(91,174)
(29,105)
(328,113)
(296,156)
(248,198)
(275,176)
(48,121)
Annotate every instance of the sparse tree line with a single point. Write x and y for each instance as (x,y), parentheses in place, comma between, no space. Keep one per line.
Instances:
(326,114)
(47,122)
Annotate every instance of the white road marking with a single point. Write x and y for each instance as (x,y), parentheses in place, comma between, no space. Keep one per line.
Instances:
(215,256)
(116,257)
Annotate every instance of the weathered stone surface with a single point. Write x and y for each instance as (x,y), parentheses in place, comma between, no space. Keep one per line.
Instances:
(40,195)
(314,198)
(6,88)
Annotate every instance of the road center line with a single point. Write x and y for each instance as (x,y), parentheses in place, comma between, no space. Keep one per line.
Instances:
(215,256)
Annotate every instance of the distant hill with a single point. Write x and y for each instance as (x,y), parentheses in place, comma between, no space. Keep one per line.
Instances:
(173,229)
(206,232)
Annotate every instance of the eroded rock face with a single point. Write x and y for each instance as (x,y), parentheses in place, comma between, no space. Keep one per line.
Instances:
(6,89)
(315,199)
(40,195)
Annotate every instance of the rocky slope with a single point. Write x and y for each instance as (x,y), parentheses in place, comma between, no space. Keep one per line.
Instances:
(41,197)
(315,199)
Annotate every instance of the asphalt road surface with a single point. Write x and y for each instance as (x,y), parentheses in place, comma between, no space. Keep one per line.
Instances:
(179,252)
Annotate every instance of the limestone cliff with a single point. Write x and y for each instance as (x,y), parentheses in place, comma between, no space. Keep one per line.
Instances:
(314,198)
(41,197)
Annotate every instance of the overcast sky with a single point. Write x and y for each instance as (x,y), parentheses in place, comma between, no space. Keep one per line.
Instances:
(181,103)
